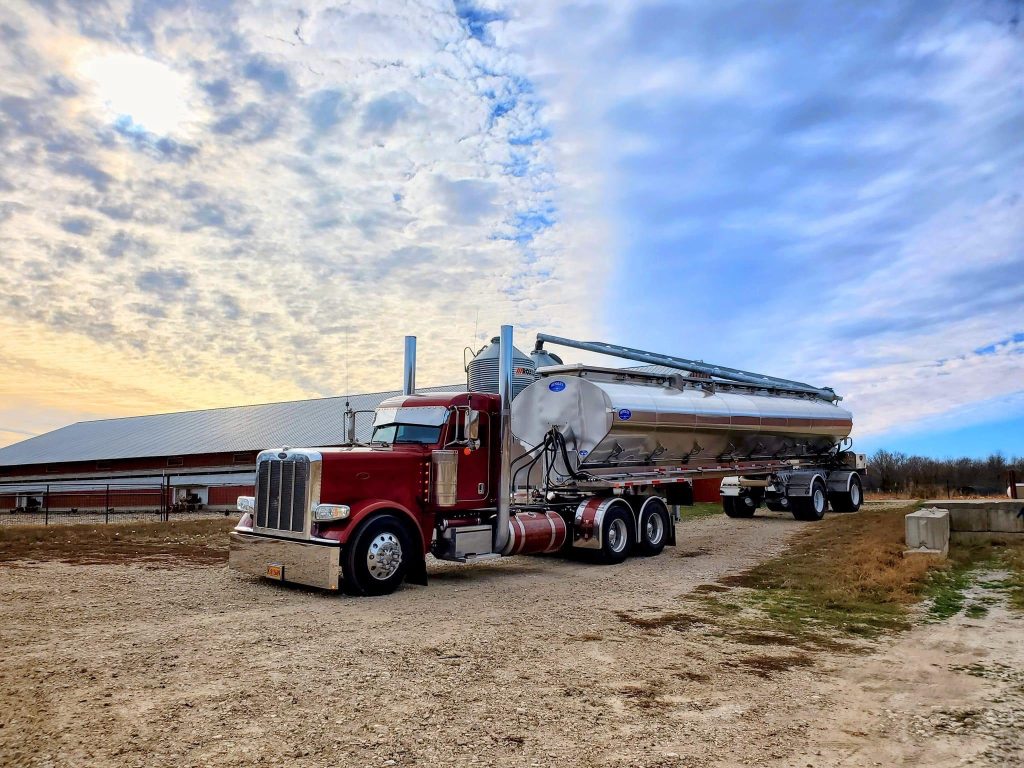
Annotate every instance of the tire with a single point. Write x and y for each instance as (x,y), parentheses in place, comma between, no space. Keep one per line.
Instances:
(812,507)
(851,501)
(654,527)
(617,537)
(377,558)
(776,507)
(738,506)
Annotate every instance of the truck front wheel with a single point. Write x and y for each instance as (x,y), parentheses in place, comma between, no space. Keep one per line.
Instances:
(377,558)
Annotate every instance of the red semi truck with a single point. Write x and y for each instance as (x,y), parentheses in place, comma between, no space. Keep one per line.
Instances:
(585,458)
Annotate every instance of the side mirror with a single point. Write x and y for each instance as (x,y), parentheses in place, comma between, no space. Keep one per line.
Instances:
(471,425)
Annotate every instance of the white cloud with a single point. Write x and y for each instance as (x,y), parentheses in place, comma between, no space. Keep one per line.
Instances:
(286,181)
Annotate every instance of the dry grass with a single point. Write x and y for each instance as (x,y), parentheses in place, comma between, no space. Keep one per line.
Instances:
(1013,560)
(680,622)
(763,665)
(846,574)
(203,542)
(645,695)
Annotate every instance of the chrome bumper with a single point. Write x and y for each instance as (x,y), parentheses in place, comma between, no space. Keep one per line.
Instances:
(298,562)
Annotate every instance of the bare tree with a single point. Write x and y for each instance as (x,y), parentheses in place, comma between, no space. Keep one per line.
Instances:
(891,472)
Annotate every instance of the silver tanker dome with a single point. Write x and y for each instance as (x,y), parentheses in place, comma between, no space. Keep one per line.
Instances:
(616,417)
(482,370)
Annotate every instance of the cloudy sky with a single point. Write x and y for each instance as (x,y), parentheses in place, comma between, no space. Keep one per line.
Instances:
(213,203)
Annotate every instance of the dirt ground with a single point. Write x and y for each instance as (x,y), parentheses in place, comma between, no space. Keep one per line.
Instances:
(523,662)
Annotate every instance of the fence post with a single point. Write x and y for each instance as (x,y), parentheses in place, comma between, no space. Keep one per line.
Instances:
(106,505)
(46,505)
(1011,475)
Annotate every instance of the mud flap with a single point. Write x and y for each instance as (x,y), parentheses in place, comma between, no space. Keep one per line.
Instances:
(417,573)
(671,540)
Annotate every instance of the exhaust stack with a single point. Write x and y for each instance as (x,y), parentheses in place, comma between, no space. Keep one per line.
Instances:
(504,438)
(409,374)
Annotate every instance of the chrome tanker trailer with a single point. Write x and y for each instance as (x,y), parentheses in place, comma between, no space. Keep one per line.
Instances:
(584,458)
(770,440)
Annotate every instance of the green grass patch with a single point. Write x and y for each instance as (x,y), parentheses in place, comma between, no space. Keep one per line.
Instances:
(697,511)
(975,611)
(945,590)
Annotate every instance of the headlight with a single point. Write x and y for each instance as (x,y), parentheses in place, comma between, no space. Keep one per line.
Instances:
(246,504)
(324,512)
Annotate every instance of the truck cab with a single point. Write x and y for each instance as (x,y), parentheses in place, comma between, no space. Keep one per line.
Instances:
(364,515)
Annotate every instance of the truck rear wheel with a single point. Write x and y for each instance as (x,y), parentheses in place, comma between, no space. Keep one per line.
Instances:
(739,506)
(811,507)
(851,500)
(377,558)
(654,525)
(617,533)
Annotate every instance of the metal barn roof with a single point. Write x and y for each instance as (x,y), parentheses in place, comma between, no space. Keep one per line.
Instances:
(218,430)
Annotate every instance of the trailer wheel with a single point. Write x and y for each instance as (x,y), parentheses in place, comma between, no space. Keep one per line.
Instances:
(376,560)
(739,506)
(617,533)
(851,501)
(813,506)
(654,527)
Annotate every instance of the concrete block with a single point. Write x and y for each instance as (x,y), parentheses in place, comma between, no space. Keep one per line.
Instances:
(927,532)
(985,515)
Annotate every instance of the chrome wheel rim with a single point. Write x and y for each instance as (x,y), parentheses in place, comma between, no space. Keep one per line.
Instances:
(617,535)
(384,556)
(855,494)
(654,529)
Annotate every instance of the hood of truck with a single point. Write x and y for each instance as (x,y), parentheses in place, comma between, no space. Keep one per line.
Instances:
(352,474)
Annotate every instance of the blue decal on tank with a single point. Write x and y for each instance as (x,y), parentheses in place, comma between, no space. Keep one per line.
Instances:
(584,453)
(625,414)
(556,386)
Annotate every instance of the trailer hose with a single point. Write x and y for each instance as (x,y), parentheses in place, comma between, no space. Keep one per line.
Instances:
(560,440)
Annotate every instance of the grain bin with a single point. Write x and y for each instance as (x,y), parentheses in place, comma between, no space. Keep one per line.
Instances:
(482,371)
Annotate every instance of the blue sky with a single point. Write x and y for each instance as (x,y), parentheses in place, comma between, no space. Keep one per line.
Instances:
(214,203)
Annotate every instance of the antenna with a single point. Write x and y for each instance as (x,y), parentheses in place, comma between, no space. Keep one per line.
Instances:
(476,328)
(348,358)
(350,417)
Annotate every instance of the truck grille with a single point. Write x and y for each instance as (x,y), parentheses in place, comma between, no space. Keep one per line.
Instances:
(282,493)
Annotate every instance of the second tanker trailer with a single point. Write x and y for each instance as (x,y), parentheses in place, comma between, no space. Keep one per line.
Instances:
(584,458)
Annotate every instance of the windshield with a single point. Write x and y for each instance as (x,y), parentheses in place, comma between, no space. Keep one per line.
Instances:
(409,425)
(405,433)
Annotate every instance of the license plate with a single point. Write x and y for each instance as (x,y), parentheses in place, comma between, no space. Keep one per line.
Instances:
(275,572)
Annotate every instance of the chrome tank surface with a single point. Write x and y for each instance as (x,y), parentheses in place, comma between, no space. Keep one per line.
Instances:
(614,418)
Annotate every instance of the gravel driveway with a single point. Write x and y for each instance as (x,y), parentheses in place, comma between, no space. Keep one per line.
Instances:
(521,662)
